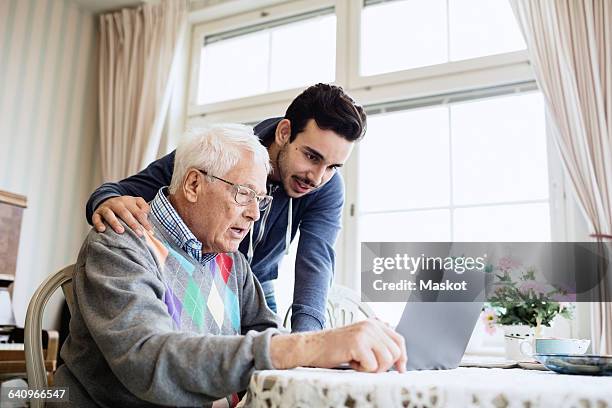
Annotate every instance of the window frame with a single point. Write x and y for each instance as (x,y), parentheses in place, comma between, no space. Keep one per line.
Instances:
(242,20)
(355,80)
(499,69)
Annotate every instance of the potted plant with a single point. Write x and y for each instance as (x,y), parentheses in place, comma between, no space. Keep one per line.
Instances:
(521,305)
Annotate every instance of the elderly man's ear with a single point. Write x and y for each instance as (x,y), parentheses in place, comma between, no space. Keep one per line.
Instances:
(192,185)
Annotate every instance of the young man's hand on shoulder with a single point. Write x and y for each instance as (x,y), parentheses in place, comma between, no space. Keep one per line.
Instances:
(132,210)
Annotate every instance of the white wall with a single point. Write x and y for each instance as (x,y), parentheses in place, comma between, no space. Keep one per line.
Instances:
(48,131)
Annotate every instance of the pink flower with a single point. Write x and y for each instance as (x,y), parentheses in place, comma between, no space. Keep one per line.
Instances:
(489,319)
(507,264)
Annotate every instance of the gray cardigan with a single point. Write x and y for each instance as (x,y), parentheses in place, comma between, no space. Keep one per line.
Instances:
(124,349)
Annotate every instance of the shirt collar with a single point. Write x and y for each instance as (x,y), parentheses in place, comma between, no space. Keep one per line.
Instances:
(163,211)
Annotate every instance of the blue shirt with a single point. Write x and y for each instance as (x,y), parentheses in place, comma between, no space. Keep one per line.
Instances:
(317,215)
(166,215)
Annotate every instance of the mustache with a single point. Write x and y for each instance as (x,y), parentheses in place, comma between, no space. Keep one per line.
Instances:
(309,183)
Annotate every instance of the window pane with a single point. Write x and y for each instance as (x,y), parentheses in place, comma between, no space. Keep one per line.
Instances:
(499,150)
(482,27)
(426,226)
(403,34)
(234,68)
(303,53)
(404,161)
(284,57)
(283,286)
(504,223)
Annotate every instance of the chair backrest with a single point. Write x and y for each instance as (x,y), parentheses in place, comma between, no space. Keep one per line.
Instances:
(35,364)
(343,307)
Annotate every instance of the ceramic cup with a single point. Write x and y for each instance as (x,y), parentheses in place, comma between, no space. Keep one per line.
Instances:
(553,346)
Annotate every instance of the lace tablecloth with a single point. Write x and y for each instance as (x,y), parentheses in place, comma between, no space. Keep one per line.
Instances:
(462,387)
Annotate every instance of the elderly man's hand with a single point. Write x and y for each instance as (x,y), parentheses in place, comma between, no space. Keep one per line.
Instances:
(370,346)
(132,210)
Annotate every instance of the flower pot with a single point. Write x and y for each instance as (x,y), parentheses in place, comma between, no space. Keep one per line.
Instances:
(513,336)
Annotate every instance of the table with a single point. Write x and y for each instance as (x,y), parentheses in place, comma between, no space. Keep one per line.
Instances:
(461,387)
(12,356)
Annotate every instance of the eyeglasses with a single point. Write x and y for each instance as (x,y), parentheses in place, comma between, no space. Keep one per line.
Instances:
(244,195)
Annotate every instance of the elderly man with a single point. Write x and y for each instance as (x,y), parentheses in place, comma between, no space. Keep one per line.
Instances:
(175,316)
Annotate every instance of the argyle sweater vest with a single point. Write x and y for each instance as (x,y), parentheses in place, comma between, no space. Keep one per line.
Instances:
(200,298)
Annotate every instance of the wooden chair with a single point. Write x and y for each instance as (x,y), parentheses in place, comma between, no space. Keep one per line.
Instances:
(38,373)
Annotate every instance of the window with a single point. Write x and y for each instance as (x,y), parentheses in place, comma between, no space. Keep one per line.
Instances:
(276,56)
(471,171)
(468,171)
(456,146)
(404,34)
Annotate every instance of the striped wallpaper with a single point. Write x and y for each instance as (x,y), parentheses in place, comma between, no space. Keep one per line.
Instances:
(48,131)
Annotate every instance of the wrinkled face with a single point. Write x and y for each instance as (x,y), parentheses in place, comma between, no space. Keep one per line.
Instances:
(311,159)
(219,222)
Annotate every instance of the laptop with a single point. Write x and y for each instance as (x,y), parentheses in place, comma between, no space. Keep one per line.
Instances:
(436,330)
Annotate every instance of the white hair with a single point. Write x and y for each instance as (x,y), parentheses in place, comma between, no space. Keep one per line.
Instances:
(216,149)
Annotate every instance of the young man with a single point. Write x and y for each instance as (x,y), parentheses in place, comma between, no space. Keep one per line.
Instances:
(175,317)
(306,148)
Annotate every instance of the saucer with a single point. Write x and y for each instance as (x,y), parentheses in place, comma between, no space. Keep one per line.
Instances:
(582,364)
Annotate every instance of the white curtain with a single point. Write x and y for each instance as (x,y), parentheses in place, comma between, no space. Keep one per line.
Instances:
(570,48)
(138,61)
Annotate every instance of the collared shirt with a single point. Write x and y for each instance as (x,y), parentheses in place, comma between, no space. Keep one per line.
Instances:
(166,215)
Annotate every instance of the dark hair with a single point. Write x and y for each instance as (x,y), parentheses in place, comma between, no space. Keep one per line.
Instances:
(331,108)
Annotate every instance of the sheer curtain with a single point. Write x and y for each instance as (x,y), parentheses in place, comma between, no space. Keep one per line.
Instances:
(138,61)
(570,47)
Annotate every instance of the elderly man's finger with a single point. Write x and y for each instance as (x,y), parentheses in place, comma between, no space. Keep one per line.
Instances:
(400,363)
(98,223)
(395,336)
(366,359)
(386,337)
(384,357)
(393,348)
